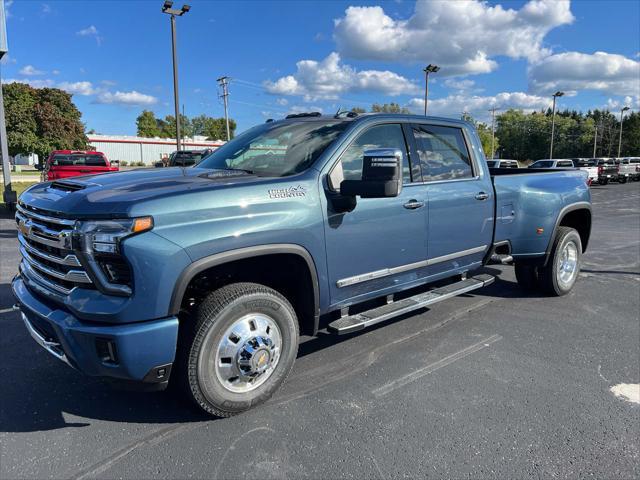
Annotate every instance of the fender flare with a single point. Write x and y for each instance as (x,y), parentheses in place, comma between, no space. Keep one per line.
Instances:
(240,254)
(563,212)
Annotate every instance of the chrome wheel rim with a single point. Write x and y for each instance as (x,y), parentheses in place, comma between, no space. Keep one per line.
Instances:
(568,263)
(248,353)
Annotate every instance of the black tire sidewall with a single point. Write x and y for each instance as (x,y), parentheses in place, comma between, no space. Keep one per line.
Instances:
(205,385)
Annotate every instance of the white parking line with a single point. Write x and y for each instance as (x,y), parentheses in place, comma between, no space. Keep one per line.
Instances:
(413,376)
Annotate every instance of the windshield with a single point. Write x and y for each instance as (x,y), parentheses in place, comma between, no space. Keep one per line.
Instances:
(276,149)
(186,159)
(585,163)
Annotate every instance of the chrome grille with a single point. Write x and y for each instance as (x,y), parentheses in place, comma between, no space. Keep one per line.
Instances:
(46,246)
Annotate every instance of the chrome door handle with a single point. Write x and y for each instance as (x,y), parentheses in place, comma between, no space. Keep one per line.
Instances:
(413,204)
(482,196)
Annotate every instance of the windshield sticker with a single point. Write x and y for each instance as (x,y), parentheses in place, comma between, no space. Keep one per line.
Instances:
(289,192)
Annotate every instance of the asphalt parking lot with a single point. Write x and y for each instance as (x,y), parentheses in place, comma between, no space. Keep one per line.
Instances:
(493,384)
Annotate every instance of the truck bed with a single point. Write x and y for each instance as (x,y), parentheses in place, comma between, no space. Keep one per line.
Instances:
(528,203)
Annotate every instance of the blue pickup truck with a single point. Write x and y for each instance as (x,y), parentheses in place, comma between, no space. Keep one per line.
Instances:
(207,276)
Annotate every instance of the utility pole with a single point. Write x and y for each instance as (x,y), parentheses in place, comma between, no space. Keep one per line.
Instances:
(427,70)
(167,8)
(493,130)
(624,109)
(595,141)
(553,121)
(224,83)
(8,195)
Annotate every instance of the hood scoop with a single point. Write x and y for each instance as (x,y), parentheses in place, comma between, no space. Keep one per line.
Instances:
(67,186)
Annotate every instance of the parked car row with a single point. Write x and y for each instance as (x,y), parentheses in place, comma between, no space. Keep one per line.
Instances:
(602,170)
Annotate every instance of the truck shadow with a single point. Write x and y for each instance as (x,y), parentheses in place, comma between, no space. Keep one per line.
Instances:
(39,394)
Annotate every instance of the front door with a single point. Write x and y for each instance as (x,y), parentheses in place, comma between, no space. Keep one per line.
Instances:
(460,197)
(371,248)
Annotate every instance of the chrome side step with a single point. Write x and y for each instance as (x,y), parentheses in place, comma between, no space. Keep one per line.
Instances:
(359,321)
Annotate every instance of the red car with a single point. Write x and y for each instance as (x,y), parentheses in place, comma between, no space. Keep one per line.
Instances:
(72,163)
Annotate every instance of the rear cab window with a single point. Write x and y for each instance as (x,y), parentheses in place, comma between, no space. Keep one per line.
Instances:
(443,153)
(542,164)
(81,160)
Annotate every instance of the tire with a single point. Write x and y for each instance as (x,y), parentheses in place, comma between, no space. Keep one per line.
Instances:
(258,355)
(560,273)
(527,276)
(603,181)
(622,179)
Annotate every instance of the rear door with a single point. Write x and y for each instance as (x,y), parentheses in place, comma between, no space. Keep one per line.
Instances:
(379,245)
(460,198)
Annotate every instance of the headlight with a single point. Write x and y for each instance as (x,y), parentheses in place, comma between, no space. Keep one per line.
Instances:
(104,236)
(99,242)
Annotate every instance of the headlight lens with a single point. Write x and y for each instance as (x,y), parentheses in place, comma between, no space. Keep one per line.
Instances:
(104,236)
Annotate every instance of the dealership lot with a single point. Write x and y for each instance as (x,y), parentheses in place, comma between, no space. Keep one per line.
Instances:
(494,383)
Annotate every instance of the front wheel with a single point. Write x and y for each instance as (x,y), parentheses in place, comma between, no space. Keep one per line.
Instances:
(622,179)
(241,348)
(560,273)
(603,181)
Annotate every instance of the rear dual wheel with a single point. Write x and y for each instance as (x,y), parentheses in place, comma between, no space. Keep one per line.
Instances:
(560,273)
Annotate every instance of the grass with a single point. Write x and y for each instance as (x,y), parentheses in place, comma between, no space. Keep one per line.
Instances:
(17,187)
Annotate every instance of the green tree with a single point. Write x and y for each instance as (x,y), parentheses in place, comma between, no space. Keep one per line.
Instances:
(168,126)
(389,108)
(147,124)
(217,129)
(358,110)
(484,132)
(40,120)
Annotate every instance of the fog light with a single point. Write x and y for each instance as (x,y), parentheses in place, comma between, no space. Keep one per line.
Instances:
(107,351)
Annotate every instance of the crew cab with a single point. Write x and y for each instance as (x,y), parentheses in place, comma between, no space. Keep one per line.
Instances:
(206,276)
(73,163)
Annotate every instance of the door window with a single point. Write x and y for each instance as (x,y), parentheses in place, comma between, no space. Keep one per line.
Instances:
(443,153)
(381,136)
(565,164)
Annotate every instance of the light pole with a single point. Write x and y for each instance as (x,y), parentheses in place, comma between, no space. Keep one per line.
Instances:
(624,109)
(493,130)
(553,120)
(428,69)
(167,8)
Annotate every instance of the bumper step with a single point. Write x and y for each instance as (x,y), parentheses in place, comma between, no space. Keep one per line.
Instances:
(360,321)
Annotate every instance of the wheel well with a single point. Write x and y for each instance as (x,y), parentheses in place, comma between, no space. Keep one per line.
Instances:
(286,273)
(581,221)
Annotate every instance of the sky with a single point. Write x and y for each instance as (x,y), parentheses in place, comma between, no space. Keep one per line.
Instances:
(296,56)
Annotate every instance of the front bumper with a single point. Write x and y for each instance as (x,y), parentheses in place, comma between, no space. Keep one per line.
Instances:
(142,351)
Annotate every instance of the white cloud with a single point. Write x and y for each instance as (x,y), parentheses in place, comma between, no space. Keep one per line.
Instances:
(460,36)
(282,101)
(131,98)
(77,88)
(91,31)
(461,85)
(45,9)
(304,109)
(108,83)
(628,101)
(56,72)
(329,78)
(478,106)
(30,70)
(606,72)
(8,59)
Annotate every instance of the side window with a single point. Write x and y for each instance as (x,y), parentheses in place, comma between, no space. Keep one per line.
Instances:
(443,153)
(565,164)
(381,136)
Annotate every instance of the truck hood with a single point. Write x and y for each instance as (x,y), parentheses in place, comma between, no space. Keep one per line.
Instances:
(113,194)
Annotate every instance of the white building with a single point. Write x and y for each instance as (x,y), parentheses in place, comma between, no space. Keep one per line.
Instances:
(147,150)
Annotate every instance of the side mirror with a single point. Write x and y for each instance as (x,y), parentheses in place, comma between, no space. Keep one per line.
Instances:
(38,166)
(381,175)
